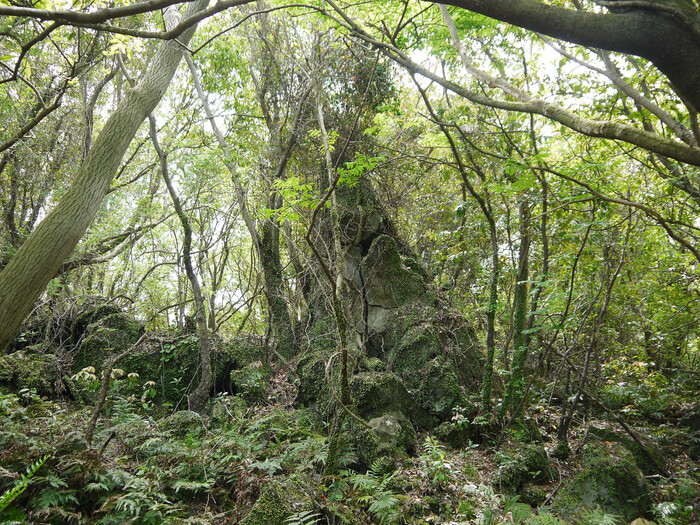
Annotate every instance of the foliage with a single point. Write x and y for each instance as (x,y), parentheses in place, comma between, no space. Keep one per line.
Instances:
(437,466)
(303,518)
(374,489)
(21,484)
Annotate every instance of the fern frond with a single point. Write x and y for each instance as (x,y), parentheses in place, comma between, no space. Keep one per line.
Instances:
(21,484)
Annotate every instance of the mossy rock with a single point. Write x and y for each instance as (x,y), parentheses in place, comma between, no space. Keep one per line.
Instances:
(227,409)
(90,316)
(533,495)
(182,423)
(26,369)
(376,393)
(278,500)
(313,389)
(610,479)
(454,436)
(417,345)
(649,461)
(389,283)
(111,334)
(391,436)
(172,370)
(251,382)
(520,466)
(436,391)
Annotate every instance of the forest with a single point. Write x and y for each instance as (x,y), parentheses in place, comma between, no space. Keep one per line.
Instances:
(348,263)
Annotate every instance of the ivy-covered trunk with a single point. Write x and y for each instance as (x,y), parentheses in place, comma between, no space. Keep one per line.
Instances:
(514,390)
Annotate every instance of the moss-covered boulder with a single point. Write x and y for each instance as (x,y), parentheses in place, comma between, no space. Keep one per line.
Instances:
(251,382)
(649,458)
(377,393)
(92,313)
(391,436)
(29,369)
(389,283)
(278,501)
(518,467)
(182,423)
(108,335)
(609,479)
(409,352)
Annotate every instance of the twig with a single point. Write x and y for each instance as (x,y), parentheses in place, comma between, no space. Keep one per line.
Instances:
(104,389)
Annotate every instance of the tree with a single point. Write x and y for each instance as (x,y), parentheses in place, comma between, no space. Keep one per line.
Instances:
(37,261)
(663,31)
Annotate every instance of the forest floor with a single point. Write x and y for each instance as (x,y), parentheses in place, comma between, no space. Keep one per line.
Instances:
(263,462)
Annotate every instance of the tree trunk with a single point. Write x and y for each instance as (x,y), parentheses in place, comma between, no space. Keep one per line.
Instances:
(198,398)
(37,261)
(514,391)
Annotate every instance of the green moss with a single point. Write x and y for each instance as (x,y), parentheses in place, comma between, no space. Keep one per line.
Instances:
(277,501)
(320,343)
(251,381)
(520,466)
(90,316)
(110,334)
(610,479)
(182,423)
(391,436)
(25,369)
(437,391)
(388,282)
(173,369)
(648,465)
(375,393)
(417,346)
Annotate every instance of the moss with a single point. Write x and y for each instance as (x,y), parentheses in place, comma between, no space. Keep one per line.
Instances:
(388,282)
(251,381)
(520,466)
(437,391)
(533,495)
(24,369)
(451,435)
(182,423)
(648,465)
(417,346)
(375,393)
(111,334)
(227,409)
(610,479)
(173,369)
(90,316)
(320,344)
(276,503)
(391,436)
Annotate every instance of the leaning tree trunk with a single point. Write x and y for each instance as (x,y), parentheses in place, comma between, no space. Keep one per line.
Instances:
(37,261)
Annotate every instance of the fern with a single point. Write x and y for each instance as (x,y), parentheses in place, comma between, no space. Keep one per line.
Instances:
(374,489)
(599,517)
(21,484)
(303,518)
(192,486)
